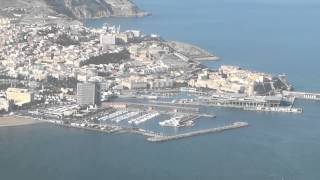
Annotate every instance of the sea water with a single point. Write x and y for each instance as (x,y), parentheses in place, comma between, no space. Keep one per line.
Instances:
(272,36)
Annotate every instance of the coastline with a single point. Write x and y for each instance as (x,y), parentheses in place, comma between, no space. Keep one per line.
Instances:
(208,58)
(137,15)
(11,121)
(193,52)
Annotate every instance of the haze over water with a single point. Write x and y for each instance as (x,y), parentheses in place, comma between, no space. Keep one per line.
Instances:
(272,36)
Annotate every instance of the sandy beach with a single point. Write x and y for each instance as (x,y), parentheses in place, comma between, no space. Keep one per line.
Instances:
(6,121)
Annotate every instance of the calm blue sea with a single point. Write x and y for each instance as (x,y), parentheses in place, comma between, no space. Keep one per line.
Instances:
(276,36)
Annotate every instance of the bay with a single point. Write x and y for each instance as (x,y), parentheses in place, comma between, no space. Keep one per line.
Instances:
(272,36)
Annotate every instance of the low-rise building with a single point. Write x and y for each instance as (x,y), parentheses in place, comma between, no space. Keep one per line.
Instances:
(20,96)
(4,22)
(5,105)
(161,83)
(107,39)
(134,82)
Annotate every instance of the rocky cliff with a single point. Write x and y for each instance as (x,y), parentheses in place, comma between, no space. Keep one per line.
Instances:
(82,9)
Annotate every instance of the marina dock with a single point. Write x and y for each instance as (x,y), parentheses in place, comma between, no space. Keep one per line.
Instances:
(197,133)
(149,135)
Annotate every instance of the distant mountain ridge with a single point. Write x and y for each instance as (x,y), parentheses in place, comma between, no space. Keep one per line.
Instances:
(83,9)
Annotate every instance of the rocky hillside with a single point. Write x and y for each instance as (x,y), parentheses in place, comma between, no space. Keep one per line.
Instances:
(82,9)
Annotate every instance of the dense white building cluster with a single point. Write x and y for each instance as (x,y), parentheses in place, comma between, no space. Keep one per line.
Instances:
(233,79)
(115,60)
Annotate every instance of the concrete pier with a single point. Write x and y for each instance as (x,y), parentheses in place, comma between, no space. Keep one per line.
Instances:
(197,133)
(244,106)
(303,95)
(162,107)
